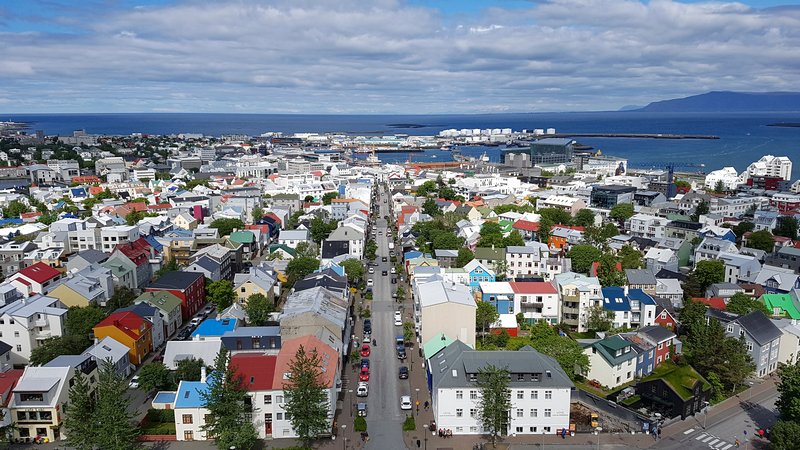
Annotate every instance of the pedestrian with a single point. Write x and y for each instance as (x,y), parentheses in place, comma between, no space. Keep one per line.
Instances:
(440,432)
(426,405)
(659,433)
(737,443)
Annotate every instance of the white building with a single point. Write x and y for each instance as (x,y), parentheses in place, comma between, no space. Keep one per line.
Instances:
(645,225)
(26,323)
(538,387)
(443,307)
(727,175)
(119,234)
(771,166)
(578,293)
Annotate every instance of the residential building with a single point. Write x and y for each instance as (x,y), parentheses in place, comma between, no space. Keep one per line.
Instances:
(579,294)
(189,287)
(258,280)
(630,308)
(675,399)
(36,279)
(110,350)
(739,266)
(660,258)
(787,257)
(612,361)
(641,279)
(190,411)
(169,307)
(26,323)
(353,236)
(711,248)
(761,337)
(93,285)
(306,312)
(563,202)
(442,307)
(152,315)
(771,166)
(291,238)
(645,225)
(129,329)
(118,234)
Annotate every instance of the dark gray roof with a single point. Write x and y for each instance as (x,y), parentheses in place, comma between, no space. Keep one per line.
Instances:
(207,263)
(759,327)
(640,277)
(332,249)
(91,256)
(656,333)
(451,367)
(176,280)
(4,348)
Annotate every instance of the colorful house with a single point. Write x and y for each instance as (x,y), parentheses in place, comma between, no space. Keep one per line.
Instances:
(478,273)
(129,329)
(187,286)
(38,278)
(782,305)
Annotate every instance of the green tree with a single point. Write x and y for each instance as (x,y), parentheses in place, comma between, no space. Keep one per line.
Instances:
(228,421)
(447,193)
(762,240)
(743,304)
(513,238)
(122,298)
(494,404)
(189,369)
(320,229)
(114,425)
(584,218)
(220,293)
(630,258)
(708,349)
(170,266)
(568,353)
(155,376)
(258,309)
(14,209)
(298,268)
(447,240)
(500,267)
(258,214)
(485,315)
(719,187)
(599,319)
(788,403)
(427,188)
(430,208)
(56,346)
(465,255)
(327,198)
(783,435)
(306,400)
(693,317)
(556,216)
(354,270)
(134,217)
(306,250)
(787,227)
(226,226)
(718,389)
(371,249)
(80,322)
(79,417)
(583,256)
(608,273)
(743,227)
(702,208)
(621,212)
(708,272)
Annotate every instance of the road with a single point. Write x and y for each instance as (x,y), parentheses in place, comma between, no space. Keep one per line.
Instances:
(385,420)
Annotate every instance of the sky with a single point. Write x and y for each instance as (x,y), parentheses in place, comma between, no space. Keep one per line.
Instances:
(387,56)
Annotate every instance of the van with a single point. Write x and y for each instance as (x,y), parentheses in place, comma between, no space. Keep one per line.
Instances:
(362,409)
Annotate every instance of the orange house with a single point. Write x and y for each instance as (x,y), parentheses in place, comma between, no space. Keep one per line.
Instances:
(130,329)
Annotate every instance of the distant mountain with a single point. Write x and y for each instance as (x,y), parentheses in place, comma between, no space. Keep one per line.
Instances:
(725,101)
(631,107)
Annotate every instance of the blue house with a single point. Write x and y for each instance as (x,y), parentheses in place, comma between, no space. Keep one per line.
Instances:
(725,234)
(478,273)
(500,294)
(632,308)
(646,354)
(252,338)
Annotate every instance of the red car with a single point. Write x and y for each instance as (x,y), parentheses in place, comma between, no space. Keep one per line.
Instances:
(364,376)
(365,350)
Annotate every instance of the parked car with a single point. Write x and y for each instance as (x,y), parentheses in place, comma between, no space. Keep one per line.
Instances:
(362,409)
(368,326)
(369,282)
(394,280)
(134,384)
(184,334)
(403,372)
(384,259)
(405,402)
(371,270)
(394,270)
(365,350)
(210,308)
(196,321)
(363,389)
(365,363)
(367,338)
(364,375)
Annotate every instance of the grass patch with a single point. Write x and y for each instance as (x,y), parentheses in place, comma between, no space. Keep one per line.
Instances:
(158,428)
(583,335)
(631,400)
(360,424)
(409,424)
(584,386)
(680,378)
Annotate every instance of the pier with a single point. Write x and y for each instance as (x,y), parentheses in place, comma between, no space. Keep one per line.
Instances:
(630,135)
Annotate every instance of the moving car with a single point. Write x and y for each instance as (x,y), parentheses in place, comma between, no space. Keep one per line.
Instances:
(363,389)
(369,282)
(405,402)
(384,259)
(365,363)
(365,350)
(371,270)
(134,384)
(384,273)
(403,372)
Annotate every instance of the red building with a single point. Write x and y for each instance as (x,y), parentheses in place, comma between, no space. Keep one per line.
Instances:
(661,338)
(190,287)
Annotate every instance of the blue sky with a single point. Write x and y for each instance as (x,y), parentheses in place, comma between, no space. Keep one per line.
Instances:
(387,56)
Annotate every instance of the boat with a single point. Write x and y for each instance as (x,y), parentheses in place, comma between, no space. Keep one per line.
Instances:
(484,157)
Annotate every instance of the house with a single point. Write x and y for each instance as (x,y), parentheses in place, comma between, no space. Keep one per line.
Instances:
(578,294)
(443,307)
(177,351)
(328,278)
(169,308)
(488,257)
(206,266)
(38,402)
(189,287)
(717,232)
(190,411)
(252,339)
(563,237)
(184,221)
(776,280)
(612,361)
(723,290)
(660,258)
(226,256)
(681,247)
(26,323)
(645,225)
(291,238)
(665,314)
(129,329)
(739,266)
(677,389)
(152,315)
(505,323)
(537,301)
(258,280)
(38,278)
(538,387)
(670,289)
(446,258)
(247,239)
(351,235)
(761,337)
(110,350)
(12,255)
(305,312)
(711,248)
(786,257)
(93,285)
(478,273)
(641,279)
(662,339)
(533,260)
(627,307)
(789,347)
(529,230)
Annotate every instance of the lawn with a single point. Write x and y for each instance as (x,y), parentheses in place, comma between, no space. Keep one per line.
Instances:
(158,421)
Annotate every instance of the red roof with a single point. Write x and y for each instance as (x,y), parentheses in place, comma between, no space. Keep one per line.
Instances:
(317,173)
(128,322)
(256,371)
(137,251)
(328,357)
(161,206)
(264,228)
(39,272)
(30,215)
(8,380)
(275,217)
(532,287)
(712,302)
(136,206)
(526,225)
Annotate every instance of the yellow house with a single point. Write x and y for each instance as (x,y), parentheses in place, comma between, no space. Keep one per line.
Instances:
(185,221)
(129,329)
(68,296)
(255,282)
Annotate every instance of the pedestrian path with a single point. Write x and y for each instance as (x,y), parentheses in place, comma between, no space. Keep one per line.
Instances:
(713,441)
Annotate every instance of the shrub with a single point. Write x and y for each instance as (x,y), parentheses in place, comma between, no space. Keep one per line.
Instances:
(409,424)
(360,424)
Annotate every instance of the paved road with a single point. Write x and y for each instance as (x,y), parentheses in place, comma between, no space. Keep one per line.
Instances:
(384,421)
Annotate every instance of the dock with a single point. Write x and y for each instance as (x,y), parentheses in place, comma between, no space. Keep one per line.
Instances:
(631,135)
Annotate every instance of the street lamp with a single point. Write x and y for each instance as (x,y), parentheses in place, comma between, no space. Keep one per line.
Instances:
(344,441)
(597,432)
(417,404)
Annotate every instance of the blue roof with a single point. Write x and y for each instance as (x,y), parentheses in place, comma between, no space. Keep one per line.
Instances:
(412,254)
(214,327)
(60,204)
(78,192)
(188,395)
(165,397)
(614,298)
(68,216)
(10,221)
(334,267)
(154,243)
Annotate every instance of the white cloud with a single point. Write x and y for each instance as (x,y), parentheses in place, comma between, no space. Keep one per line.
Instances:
(388,56)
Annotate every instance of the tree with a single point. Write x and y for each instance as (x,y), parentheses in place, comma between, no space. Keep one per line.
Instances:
(485,315)
(788,403)
(56,346)
(427,188)
(465,255)
(134,217)
(354,270)
(719,187)
(258,214)
(699,210)
(114,425)
(491,235)
(494,403)
(226,226)
(80,322)
(14,209)
(500,267)
(743,227)
(220,293)
(584,218)
(371,249)
(170,266)
(762,240)
(556,216)
(583,256)
(708,349)
(320,229)
(630,258)
(155,376)
(565,350)
(229,408)
(327,198)
(306,400)
(122,298)
(743,304)
(621,212)
(430,208)
(258,309)
(298,268)
(783,435)
(599,319)
(78,419)
(447,240)
(693,317)
(306,250)
(608,272)
(787,227)
(708,272)
(189,369)
(513,238)
(308,199)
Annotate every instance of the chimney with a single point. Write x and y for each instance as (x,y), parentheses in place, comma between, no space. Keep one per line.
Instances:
(625,289)
(203,374)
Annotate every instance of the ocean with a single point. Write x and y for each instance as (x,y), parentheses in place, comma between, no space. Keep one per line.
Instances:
(744,137)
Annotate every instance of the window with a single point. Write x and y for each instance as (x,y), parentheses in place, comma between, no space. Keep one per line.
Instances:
(548,395)
(520,395)
(16,334)
(660,345)
(459,395)
(19,348)
(520,412)
(534,412)
(473,395)
(278,399)
(186,419)
(459,412)
(267,399)
(520,377)
(188,435)
(473,412)
(534,395)
(749,346)
(473,429)
(459,429)
(519,429)
(278,416)
(548,412)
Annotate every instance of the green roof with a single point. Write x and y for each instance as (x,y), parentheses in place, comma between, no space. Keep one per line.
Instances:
(284,247)
(490,253)
(783,302)
(161,299)
(436,344)
(242,237)
(681,379)
(506,225)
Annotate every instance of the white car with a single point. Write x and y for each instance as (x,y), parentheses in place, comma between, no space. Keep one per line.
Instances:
(371,270)
(369,282)
(134,384)
(405,402)
(394,270)
(398,318)
(196,321)
(363,389)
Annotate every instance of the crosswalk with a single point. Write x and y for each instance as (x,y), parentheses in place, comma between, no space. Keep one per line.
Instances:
(713,441)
